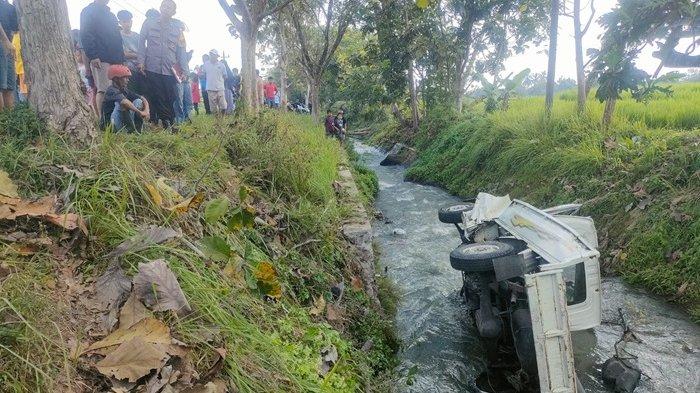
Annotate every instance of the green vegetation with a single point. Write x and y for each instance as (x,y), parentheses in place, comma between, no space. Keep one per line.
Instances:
(286,168)
(639,179)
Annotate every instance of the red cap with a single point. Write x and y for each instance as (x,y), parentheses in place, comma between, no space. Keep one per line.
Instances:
(117,71)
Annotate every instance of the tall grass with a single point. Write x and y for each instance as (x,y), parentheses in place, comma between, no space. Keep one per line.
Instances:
(652,147)
(289,167)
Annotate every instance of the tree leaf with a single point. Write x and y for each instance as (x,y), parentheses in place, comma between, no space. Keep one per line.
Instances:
(157,286)
(216,209)
(111,290)
(422,3)
(132,360)
(132,312)
(149,330)
(144,239)
(216,248)
(319,306)
(7,187)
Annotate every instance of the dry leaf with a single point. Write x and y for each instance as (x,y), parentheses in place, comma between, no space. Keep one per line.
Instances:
(333,313)
(148,330)
(7,187)
(132,312)
(155,194)
(329,357)
(33,208)
(192,202)
(218,365)
(68,221)
(143,240)
(157,286)
(132,360)
(159,380)
(215,386)
(319,306)
(111,290)
(356,283)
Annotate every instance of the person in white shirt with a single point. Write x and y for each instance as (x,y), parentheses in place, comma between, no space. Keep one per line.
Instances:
(215,72)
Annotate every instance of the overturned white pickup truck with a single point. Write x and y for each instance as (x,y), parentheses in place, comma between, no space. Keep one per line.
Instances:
(530,277)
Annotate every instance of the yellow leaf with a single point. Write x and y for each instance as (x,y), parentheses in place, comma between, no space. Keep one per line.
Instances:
(7,187)
(149,330)
(168,193)
(132,360)
(319,306)
(155,194)
(266,272)
(422,3)
(192,202)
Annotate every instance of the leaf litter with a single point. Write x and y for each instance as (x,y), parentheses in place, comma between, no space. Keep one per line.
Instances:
(158,288)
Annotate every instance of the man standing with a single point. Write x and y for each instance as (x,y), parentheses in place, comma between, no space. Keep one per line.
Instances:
(131,48)
(162,39)
(203,84)
(215,72)
(270,91)
(102,43)
(8,78)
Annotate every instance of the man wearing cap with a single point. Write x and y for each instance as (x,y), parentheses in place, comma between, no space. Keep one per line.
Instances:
(161,46)
(215,72)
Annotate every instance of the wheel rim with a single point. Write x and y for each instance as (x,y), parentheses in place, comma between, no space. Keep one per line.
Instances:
(480,249)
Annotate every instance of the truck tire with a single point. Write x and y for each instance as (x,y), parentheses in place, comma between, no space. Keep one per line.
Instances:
(477,257)
(453,214)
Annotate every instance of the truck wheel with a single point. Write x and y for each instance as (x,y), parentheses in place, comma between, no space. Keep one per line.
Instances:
(453,214)
(477,257)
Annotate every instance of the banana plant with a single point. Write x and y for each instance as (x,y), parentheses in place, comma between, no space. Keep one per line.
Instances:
(498,93)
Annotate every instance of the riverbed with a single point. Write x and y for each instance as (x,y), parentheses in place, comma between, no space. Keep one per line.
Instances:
(441,352)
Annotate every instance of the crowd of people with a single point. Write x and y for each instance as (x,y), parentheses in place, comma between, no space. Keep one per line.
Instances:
(132,78)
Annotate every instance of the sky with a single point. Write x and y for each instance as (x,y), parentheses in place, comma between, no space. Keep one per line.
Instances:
(207,29)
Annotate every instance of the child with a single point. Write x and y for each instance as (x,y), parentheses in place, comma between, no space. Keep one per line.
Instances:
(196,95)
(120,104)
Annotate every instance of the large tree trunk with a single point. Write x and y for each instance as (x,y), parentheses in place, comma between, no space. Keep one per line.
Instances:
(248,76)
(580,74)
(315,96)
(51,70)
(551,68)
(283,70)
(414,95)
(608,112)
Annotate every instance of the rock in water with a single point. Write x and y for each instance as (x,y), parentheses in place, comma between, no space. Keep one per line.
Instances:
(398,155)
(399,232)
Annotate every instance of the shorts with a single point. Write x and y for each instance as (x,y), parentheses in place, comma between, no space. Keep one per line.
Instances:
(8,77)
(99,76)
(217,100)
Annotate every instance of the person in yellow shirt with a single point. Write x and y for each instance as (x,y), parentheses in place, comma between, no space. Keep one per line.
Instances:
(22,88)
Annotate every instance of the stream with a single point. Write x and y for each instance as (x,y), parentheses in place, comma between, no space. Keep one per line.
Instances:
(441,351)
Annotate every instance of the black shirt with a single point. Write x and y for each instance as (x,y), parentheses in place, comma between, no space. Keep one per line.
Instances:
(112,96)
(8,18)
(100,35)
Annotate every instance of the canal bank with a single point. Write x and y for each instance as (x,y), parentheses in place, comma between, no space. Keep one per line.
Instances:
(441,352)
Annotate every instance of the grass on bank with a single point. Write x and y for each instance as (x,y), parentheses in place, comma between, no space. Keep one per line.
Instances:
(639,180)
(288,165)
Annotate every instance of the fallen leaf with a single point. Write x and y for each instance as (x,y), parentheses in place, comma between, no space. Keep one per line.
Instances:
(144,239)
(157,286)
(356,283)
(68,221)
(7,187)
(158,381)
(216,209)
(33,208)
(319,306)
(333,313)
(192,202)
(155,194)
(680,217)
(218,365)
(644,203)
(111,290)
(682,289)
(132,312)
(267,281)
(149,330)
(215,386)
(329,357)
(68,170)
(132,360)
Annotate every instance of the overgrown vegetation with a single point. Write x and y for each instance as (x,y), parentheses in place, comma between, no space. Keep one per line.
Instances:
(273,343)
(639,179)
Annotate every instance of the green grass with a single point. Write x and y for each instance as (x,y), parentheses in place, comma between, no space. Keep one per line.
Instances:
(289,167)
(654,147)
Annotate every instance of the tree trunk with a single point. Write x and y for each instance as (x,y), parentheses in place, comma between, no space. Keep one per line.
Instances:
(51,69)
(551,67)
(609,111)
(248,76)
(283,71)
(580,74)
(414,95)
(315,96)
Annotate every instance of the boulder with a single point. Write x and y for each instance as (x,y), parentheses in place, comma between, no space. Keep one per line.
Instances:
(400,154)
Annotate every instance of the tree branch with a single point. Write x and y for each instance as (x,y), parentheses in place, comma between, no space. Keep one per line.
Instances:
(241,6)
(590,19)
(228,10)
(274,9)
(326,33)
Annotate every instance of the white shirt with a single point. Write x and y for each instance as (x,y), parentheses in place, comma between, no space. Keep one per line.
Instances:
(215,73)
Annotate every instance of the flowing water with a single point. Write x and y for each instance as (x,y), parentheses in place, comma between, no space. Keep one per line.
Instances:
(441,352)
